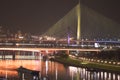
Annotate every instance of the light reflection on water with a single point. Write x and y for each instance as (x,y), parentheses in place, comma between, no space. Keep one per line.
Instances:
(82,74)
(53,70)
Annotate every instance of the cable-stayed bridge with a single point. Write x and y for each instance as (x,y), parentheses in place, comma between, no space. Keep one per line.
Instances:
(93,25)
(84,25)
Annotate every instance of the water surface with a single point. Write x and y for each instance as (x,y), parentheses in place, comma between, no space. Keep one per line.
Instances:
(53,70)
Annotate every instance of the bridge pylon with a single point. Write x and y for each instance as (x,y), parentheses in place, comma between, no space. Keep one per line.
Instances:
(78,23)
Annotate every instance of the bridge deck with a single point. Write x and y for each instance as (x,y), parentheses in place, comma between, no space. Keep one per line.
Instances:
(39,49)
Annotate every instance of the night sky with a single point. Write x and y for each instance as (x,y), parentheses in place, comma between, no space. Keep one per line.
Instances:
(36,16)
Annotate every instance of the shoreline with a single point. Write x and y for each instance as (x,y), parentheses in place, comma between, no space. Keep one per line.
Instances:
(88,65)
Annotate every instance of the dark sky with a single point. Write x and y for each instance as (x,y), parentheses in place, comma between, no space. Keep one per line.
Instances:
(36,16)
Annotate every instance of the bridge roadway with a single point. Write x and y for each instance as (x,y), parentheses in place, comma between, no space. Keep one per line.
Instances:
(53,49)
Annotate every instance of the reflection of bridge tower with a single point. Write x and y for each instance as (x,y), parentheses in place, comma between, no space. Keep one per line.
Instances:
(78,23)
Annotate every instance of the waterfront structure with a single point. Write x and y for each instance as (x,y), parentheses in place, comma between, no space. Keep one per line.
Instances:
(24,73)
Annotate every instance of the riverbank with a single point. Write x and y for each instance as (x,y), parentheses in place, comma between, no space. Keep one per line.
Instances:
(88,65)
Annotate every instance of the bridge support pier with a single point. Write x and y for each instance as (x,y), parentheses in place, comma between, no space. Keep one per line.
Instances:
(67,52)
(40,55)
(13,56)
(33,54)
(3,55)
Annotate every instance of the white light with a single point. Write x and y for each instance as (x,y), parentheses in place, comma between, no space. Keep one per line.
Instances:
(96,45)
(21,37)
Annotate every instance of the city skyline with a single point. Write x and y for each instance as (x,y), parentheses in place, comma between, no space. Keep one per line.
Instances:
(38,16)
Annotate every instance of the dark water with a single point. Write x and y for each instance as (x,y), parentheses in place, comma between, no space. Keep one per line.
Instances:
(53,70)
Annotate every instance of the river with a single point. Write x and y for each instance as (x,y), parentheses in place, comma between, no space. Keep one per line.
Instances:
(53,70)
